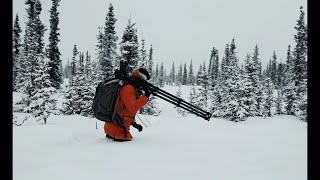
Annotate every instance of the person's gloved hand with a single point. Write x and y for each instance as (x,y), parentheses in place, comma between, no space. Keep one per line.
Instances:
(147,93)
(137,126)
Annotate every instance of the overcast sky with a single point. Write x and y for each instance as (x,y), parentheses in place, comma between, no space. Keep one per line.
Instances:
(179,30)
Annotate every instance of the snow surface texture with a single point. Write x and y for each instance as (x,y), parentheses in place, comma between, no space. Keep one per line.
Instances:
(173,147)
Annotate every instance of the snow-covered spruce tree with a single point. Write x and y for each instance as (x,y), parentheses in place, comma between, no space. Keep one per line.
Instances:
(32,50)
(273,73)
(192,95)
(254,85)
(296,90)
(71,94)
(225,62)
(74,63)
(129,46)
(150,108)
(110,39)
(288,66)
(42,103)
(280,75)
(199,75)
(216,107)
(53,52)
(143,62)
(156,75)
(184,75)
(16,55)
(279,103)
(191,78)
(257,78)
(269,100)
(66,71)
(179,95)
(202,97)
(87,90)
(172,75)
(234,100)
(213,67)
(251,89)
(303,103)
(300,65)
(89,71)
(220,91)
(150,62)
(161,75)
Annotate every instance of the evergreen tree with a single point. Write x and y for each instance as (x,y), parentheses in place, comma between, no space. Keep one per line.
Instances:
(129,46)
(106,47)
(280,75)
(42,103)
(39,29)
(16,45)
(225,62)
(279,103)
(234,90)
(53,50)
(192,95)
(288,65)
(273,73)
(161,75)
(32,48)
(173,74)
(150,62)
(74,62)
(204,88)
(81,63)
(217,106)
(180,74)
(257,61)
(190,74)
(185,75)
(143,55)
(156,78)
(213,67)
(150,108)
(300,66)
(179,109)
(67,70)
(268,103)
(110,39)
(199,75)
(80,94)
(89,71)
(295,92)
(300,51)
(254,86)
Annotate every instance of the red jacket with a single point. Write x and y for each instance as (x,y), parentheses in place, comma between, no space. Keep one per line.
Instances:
(129,104)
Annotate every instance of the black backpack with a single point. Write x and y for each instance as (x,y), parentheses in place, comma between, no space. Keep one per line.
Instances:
(106,99)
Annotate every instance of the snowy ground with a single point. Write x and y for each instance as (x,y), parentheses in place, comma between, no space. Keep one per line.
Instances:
(173,147)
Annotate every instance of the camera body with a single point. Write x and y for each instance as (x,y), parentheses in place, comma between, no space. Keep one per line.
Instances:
(122,72)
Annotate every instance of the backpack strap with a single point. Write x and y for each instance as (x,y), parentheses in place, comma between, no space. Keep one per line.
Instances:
(118,119)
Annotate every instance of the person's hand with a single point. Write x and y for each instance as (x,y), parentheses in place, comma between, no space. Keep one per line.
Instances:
(137,126)
(147,93)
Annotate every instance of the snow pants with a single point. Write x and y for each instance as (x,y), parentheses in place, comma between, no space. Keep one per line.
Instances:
(117,132)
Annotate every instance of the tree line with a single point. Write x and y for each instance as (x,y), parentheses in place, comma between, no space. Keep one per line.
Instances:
(223,88)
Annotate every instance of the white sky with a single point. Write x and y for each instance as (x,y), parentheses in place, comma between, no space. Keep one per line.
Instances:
(178,30)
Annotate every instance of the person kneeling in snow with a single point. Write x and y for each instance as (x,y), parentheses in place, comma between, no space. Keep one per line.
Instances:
(130,102)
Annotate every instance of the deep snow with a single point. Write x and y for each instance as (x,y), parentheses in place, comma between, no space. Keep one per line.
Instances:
(173,147)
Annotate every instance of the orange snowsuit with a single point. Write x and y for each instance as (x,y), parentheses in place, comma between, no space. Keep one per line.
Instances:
(129,104)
